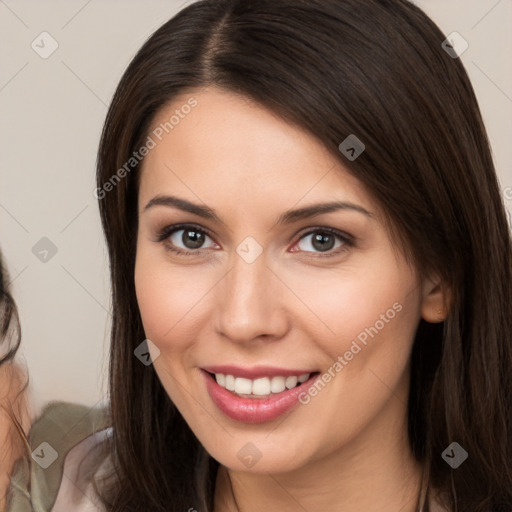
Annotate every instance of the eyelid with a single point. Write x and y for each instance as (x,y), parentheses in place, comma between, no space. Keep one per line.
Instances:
(325,229)
(169,230)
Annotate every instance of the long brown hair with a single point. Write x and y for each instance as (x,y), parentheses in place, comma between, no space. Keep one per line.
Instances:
(14,411)
(374,68)
(10,331)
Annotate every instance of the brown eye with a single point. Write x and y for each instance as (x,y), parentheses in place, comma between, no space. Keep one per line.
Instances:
(185,238)
(189,238)
(324,241)
(192,239)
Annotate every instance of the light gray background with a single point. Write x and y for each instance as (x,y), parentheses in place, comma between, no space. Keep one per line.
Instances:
(51,114)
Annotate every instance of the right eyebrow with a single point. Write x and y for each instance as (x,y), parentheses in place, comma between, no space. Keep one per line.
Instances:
(183,204)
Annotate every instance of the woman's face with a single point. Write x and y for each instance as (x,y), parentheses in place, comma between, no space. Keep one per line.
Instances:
(268,288)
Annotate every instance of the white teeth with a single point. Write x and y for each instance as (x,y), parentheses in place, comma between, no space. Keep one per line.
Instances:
(291,382)
(261,387)
(277,385)
(243,386)
(230,382)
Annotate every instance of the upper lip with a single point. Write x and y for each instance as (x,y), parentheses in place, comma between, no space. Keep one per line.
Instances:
(255,372)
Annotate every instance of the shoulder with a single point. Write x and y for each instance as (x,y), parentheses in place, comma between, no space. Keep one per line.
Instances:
(66,444)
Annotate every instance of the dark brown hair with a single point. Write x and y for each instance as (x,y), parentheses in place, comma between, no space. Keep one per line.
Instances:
(10,333)
(376,69)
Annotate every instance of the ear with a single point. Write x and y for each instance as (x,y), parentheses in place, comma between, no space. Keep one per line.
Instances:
(436,300)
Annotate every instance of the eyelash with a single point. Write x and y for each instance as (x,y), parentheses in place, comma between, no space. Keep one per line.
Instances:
(164,234)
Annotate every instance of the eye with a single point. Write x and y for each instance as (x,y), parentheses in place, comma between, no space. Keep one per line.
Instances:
(189,239)
(185,239)
(324,240)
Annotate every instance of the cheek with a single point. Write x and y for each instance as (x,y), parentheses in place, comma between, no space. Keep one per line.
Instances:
(376,301)
(364,322)
(173,301)
(163,297)
(366,325)
(168,298)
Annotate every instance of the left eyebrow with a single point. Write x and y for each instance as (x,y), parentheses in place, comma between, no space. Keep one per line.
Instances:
(317,209)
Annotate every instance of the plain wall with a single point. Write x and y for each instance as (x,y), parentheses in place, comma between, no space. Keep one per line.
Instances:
(51,115)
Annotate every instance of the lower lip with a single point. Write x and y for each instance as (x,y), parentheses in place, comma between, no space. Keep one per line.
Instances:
(254,410)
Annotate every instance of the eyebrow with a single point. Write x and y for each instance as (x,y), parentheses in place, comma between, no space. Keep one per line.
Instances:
(285,218)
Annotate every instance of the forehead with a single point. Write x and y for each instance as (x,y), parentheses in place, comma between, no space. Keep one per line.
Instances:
(213,143)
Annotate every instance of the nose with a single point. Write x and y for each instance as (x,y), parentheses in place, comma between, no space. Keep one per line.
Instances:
(250,302)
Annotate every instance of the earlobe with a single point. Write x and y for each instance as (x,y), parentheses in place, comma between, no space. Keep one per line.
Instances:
(436,300)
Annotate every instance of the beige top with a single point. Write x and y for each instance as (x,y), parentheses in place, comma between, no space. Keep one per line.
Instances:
(65,443)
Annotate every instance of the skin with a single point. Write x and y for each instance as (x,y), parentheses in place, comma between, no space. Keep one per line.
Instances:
(293,307)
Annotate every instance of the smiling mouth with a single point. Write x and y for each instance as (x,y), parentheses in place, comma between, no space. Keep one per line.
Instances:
(260,388)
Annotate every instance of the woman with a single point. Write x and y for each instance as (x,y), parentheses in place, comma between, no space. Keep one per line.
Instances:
(307,242)
(14,413)
(51,468)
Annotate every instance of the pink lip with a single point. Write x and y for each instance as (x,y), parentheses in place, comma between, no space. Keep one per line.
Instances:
(254,410)
(256,372)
